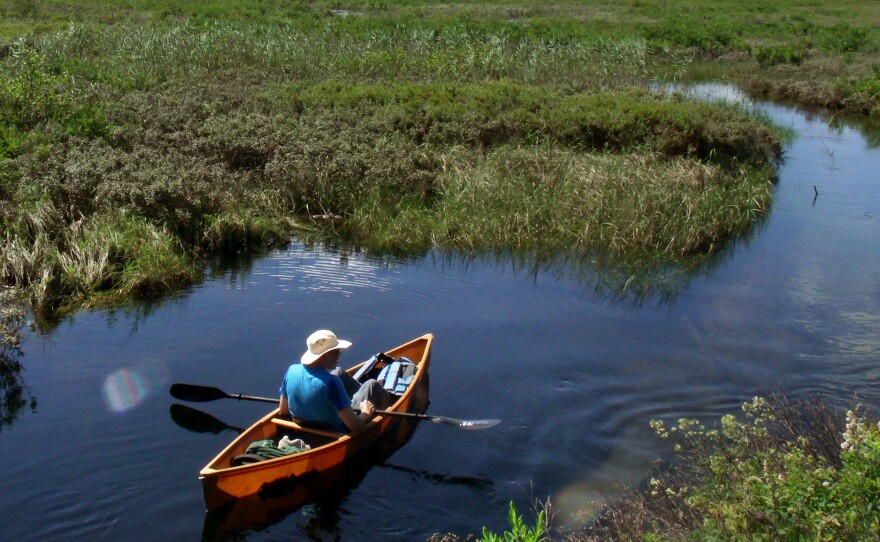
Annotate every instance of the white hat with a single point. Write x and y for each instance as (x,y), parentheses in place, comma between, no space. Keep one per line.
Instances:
(321,342)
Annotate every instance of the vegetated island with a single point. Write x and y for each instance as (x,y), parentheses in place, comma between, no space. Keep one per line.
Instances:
(135,143)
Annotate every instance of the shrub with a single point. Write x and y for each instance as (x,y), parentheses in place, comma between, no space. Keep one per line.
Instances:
(842,38)
(32,92)
(779,473)
(869,86)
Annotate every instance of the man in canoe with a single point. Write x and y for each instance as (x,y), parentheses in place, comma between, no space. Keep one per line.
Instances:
(317,391)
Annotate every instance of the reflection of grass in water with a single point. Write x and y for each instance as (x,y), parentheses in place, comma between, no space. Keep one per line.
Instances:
(14,395)
(619,279)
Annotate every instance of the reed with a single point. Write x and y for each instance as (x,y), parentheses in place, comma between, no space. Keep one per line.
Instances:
(546,200)
(143,57)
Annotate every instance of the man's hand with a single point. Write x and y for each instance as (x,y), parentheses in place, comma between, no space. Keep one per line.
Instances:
(368,409)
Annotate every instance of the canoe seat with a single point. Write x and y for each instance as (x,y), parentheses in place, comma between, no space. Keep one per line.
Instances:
(290,424)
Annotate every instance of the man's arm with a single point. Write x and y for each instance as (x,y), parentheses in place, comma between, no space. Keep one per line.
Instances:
(283,408)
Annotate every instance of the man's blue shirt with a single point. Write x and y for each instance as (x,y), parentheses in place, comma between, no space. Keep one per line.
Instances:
(315,394)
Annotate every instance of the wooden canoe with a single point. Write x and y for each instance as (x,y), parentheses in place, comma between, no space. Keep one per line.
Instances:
(296,479)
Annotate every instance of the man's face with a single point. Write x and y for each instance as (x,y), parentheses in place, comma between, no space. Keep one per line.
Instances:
(334,356)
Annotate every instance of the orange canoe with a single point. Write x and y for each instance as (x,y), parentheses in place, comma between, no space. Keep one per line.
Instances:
(298,478)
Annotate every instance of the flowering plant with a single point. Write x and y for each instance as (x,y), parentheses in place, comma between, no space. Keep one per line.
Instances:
(772,475)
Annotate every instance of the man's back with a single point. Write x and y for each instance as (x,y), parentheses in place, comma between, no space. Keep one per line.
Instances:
(315,394)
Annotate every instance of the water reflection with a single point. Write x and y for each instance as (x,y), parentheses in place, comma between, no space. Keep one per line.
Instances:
(320,504)
(14,394)
(347,268)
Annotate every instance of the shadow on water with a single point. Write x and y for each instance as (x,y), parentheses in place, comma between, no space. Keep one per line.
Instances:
(197,421)
(321,509)
(635,282)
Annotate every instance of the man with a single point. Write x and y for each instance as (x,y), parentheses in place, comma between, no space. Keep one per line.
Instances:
(316,390)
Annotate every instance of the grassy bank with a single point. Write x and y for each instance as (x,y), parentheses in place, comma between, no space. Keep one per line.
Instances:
(131,149)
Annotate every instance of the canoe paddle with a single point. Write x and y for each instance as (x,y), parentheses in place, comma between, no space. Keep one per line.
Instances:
(202,394)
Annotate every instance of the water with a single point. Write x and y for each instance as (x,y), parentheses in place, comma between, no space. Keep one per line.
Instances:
(575,373)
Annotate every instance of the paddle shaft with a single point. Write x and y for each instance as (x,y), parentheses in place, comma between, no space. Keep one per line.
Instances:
(241,397)
(201,394)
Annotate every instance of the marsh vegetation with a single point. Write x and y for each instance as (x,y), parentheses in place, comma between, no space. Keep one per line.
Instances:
(134,144)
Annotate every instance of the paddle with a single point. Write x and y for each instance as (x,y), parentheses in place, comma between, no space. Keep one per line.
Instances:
(202,394)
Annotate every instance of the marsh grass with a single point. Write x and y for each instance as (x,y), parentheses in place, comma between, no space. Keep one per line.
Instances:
(186,137)
(497,165)
(63,265)
(551,200)
(143,57)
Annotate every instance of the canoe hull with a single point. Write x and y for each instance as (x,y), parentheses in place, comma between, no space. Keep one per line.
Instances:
(297,479)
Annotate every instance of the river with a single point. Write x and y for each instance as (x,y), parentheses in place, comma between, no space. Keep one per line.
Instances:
(574,371)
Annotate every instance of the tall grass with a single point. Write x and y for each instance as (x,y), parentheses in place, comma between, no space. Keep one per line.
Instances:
(145,56)
(548,200)
(59,264)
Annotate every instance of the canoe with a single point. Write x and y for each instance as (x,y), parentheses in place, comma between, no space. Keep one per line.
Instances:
(300,477)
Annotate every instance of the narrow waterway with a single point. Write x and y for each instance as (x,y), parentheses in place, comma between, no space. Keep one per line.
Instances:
(575,372)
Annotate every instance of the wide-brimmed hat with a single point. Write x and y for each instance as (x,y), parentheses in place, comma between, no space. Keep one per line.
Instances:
(321,342)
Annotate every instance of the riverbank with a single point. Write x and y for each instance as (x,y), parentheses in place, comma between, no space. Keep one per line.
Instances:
(782,469)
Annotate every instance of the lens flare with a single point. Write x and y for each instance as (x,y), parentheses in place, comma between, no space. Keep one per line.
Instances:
(129,386)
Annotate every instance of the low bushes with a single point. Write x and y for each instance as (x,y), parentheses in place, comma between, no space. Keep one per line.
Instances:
(784,471)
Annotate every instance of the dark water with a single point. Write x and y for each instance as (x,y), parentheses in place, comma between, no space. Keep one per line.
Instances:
(575,375)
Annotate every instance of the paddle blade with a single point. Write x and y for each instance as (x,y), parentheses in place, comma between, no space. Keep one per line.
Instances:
(196,394)
(472,425)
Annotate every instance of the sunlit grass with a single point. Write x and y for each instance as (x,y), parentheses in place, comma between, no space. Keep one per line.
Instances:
(144,56)
(550,200)
(57,264)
